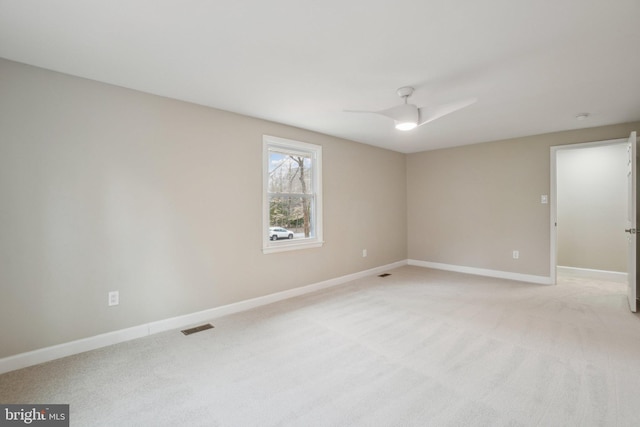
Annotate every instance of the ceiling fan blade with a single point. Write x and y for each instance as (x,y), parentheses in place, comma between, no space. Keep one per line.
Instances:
(403,112)
(381,113)
(398,113)
(429,114)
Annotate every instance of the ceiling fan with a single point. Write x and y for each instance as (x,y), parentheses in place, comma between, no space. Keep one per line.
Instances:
(409,116)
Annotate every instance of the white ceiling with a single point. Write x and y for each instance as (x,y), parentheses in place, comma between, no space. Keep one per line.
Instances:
(533,64)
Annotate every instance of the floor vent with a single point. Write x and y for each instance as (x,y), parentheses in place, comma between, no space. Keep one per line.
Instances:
(384,275)
(197,329)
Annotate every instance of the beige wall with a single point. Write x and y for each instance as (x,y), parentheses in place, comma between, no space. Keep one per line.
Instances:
(472,206)
(104,188)
(592,207)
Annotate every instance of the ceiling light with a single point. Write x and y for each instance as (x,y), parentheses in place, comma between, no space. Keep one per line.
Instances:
(582,116)
(406,125)
(406,116)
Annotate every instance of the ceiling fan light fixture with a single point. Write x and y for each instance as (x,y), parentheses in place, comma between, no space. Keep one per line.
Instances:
(406,116)
(406,125)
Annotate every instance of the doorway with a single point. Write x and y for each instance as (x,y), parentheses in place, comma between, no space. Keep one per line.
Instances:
(589,209)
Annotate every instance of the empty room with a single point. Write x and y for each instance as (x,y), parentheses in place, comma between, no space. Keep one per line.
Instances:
(297,213)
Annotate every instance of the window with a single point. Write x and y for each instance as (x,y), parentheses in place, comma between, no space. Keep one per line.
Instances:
(292,195)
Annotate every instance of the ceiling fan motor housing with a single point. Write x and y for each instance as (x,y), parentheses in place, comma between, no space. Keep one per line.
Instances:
(405,91)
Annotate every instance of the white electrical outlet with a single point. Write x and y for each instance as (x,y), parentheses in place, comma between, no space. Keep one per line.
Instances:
(544,199)
(114,298)
(516,254)
(364,253)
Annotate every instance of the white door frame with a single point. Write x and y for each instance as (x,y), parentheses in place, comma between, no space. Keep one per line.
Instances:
(632,239)
(553,202)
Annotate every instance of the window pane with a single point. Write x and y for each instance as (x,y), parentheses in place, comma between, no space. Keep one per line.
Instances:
(292,213)
(289,173)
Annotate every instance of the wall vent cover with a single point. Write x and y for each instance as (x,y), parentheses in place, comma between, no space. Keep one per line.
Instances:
(384,275)
(197,329)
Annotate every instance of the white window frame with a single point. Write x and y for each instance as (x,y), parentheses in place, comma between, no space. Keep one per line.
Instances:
(315,152)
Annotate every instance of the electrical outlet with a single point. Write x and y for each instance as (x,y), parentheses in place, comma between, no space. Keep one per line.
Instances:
(544,199)
(114,298)
(364,253)
(516,254)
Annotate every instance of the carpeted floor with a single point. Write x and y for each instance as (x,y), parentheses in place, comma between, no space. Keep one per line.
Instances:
(418,348)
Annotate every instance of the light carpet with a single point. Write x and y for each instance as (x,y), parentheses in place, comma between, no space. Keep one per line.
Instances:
(418,348)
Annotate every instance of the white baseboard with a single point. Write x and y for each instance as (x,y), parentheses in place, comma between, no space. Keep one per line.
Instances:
(47,354)
(589,273)
(189,319)
(542,280)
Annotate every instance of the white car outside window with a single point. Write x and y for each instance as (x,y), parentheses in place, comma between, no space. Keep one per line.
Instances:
(276,233)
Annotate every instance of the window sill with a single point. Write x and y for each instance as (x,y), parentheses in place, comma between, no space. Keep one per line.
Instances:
(287,246)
